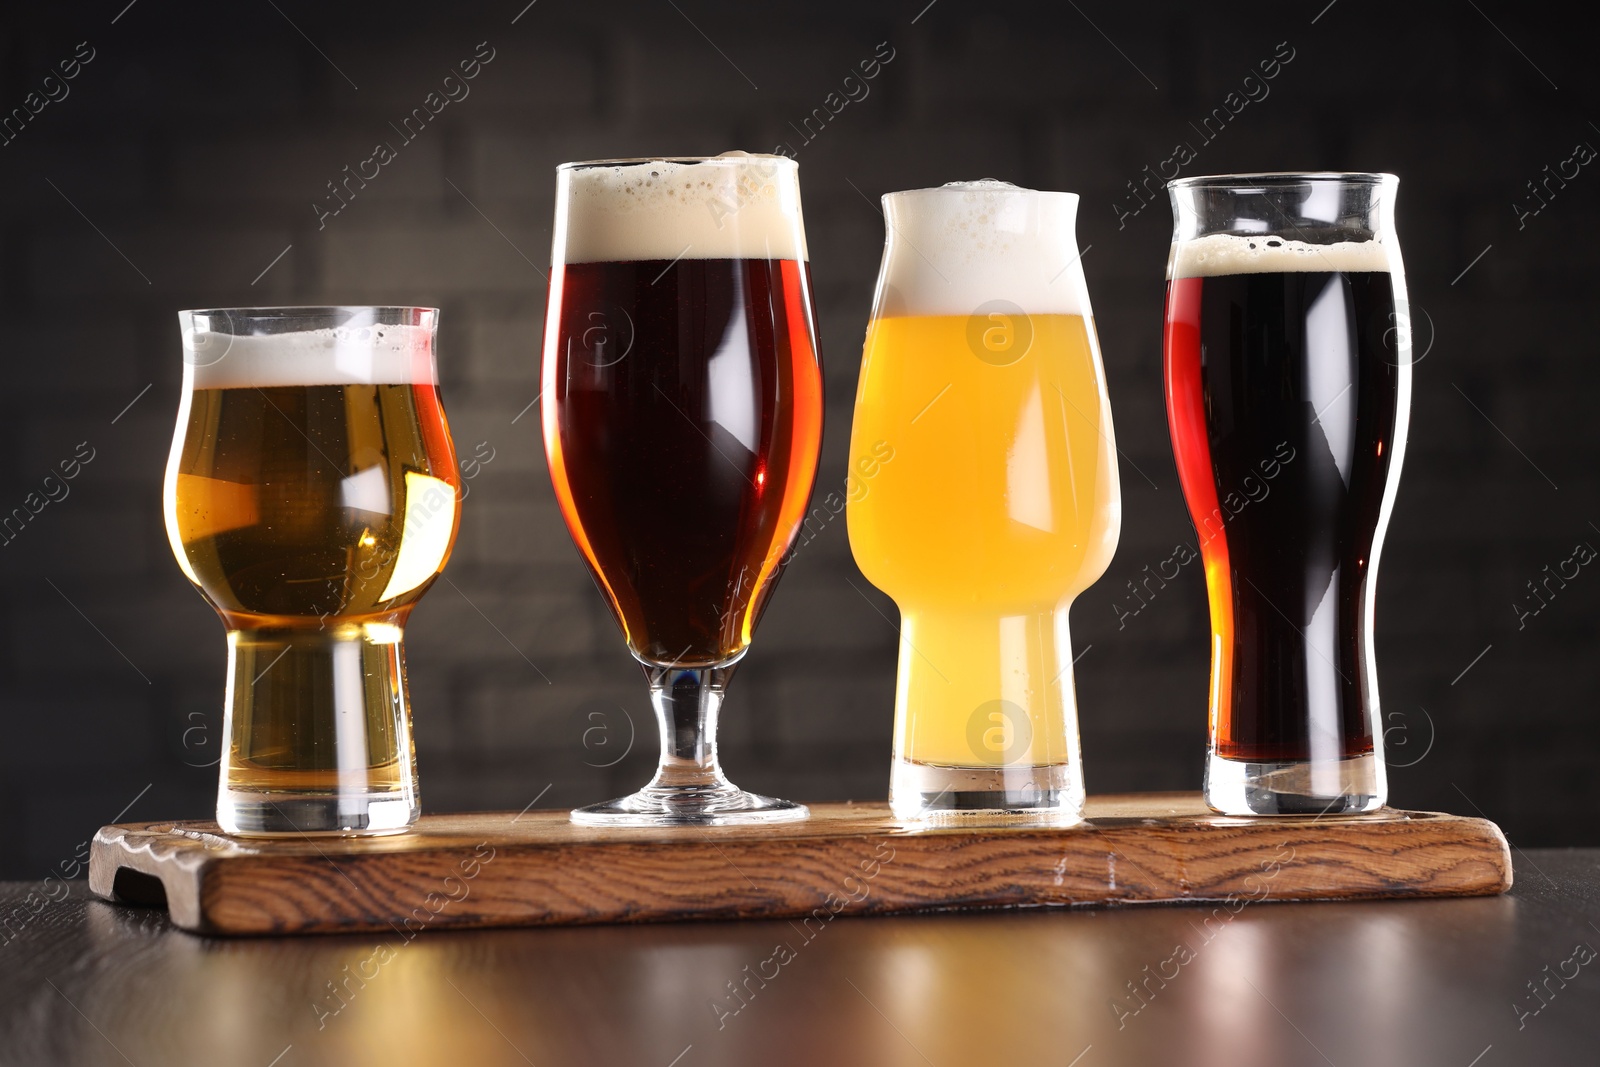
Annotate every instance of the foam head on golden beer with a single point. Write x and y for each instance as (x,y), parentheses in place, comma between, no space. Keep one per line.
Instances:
(981,375)
(982,371)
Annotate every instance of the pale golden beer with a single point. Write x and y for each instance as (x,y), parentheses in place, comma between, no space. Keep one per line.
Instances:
(1030,531)
(981,378)
(312,496)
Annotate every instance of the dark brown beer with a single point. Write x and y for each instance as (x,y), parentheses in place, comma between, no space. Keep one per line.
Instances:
(683,413)
(1285,407)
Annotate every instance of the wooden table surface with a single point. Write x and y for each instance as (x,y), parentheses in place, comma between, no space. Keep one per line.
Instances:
(1412,983)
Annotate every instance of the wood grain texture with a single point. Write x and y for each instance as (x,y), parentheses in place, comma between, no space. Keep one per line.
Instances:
(537,869)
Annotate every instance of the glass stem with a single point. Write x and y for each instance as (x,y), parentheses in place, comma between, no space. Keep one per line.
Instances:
(687,701)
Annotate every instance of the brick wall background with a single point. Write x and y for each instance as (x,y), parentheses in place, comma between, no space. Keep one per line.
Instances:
(181,168)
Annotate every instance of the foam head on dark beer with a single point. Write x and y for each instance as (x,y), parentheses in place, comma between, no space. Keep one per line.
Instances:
(733,206)
(1218,254)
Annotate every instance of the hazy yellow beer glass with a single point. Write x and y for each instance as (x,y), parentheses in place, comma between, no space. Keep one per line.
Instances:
(984,493)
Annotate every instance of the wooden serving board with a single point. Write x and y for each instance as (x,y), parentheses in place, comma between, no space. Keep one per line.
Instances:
(538,869)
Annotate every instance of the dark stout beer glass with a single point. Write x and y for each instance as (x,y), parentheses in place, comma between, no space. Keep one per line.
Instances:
(682,414)
(312,497)
(1288,380)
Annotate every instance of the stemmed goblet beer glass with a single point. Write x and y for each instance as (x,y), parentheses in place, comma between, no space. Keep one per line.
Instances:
(682,415)
(1288,378)
(985,493)
(311,496)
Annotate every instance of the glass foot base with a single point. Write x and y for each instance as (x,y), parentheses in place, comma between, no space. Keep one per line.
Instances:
(1295,787)
(690,807)
(934,793)
(281,815)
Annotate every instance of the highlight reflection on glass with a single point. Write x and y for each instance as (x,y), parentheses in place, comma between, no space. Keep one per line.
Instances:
(983,493)
(312,496)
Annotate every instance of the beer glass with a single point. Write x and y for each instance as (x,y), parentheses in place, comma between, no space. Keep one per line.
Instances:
(985,494)
(682,414)
(311,496)
(1288,380)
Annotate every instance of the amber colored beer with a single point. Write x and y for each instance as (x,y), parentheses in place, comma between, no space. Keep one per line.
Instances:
(306,506)
(313,517)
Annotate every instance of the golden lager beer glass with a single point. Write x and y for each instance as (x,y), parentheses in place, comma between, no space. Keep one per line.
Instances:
(983,493)
(312,496)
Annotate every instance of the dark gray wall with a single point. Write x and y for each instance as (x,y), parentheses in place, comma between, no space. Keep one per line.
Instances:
(190,150)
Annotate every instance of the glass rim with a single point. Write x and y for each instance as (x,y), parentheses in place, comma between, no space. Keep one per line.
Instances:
(746,158)
(307,310)
(1005,189)
(1278,179)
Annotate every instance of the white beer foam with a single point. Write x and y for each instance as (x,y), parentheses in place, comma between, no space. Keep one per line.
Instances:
(738,206)
(1225,253)
(342,355)
(954,249)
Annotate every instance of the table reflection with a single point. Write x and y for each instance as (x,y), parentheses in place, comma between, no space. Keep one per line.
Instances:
(1266,984)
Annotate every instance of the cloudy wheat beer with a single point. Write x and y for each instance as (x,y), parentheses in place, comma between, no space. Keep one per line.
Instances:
(1288,373)
(311,496)
(682,419)
(988,494)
